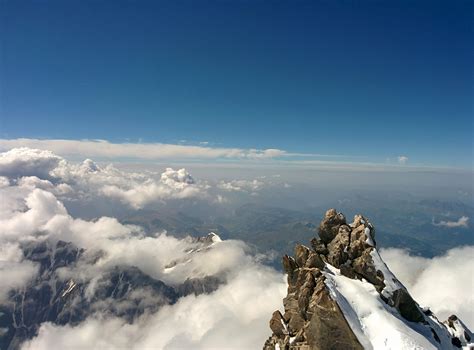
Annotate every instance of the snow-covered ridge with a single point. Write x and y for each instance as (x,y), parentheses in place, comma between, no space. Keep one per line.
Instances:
(197,246)
(376,324)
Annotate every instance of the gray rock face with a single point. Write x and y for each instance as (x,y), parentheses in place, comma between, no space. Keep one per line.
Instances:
(312,319)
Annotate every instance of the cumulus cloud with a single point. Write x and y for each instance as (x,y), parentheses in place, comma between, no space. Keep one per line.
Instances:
(33,168)
(402,159)
(23,161)
(86,181)
(173,184)
(105,149)
(443,283)
(463,221)
(160,256)
(234,316)
(42,216)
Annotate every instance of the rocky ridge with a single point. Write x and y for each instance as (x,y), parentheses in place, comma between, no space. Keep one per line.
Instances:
(341,295)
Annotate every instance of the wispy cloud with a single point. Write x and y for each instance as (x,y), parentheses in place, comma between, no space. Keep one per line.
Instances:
(106,149)
(207,154)
(152,151)
(402,159)
(463,221)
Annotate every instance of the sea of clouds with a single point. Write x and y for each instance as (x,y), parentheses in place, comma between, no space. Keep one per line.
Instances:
(236,315)
(34,186)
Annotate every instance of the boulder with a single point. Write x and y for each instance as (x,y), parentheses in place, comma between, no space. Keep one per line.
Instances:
(277,324)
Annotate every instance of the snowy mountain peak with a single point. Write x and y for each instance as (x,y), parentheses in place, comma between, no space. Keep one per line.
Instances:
(211,238)
(341,295)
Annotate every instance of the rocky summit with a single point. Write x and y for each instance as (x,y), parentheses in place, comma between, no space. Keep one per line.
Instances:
(341,295)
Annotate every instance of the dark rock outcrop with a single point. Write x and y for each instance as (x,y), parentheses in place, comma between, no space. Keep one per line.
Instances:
(312,318)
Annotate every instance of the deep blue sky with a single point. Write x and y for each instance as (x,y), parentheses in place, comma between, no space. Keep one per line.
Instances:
(363,78)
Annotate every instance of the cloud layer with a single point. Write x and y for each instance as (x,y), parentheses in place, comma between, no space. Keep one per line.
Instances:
(241,306)
(105,149)
(36,168)
(88,181)
(443,283)
(235,316)
(34,185)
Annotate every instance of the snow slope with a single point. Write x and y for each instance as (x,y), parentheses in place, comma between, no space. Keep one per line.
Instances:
(376,324)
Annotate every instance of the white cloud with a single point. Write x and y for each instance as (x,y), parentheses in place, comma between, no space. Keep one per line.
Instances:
(4,182)
(221,199)
(105,149)
(235,316)
(402,159)
(443,283)
(36,214)
(206,154)
(177,184)
(33,182)
(241,185)
(463,221)
(33,168)
(23,161)
(15,271)
(41,207)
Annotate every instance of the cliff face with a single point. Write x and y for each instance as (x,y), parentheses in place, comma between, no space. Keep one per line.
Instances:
(341,295)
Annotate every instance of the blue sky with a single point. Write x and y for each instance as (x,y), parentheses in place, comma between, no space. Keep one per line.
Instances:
(370,80)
